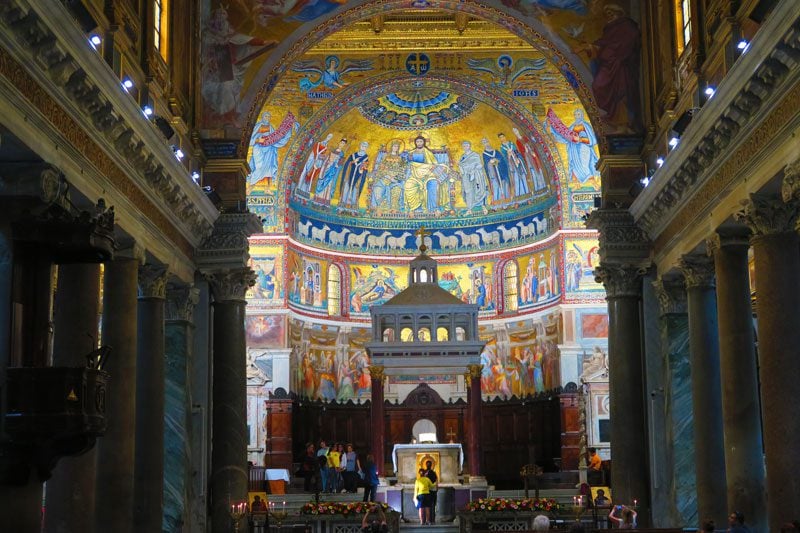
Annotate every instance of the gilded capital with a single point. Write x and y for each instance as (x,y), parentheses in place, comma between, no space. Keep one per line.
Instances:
(153,281)
(671,294)
(769,215)
(474,371)
(790,187)
(620,281)
(698,271)
(181,301)
(376,373)
(230,285)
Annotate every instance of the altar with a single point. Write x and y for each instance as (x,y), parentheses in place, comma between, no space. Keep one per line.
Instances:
(447,459)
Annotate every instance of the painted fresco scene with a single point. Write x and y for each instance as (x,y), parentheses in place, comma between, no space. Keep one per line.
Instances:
(267,263)
(539,277)
(580,259)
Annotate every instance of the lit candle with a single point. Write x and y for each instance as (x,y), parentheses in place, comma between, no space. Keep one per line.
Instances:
(284,505)
(635,501)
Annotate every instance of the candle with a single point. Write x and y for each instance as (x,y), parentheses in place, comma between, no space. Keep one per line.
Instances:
(635,501)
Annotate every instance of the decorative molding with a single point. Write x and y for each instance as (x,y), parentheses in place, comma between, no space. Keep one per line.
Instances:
(769,215)
(698,271)
(153,281)
(620,280)
(746,111)
(671,294)
(230,285)
(116,137)
(181,301)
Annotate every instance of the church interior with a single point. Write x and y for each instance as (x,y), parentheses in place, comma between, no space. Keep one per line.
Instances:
(493,234)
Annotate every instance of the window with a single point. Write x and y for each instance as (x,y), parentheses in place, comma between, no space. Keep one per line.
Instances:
(510,286)
(442,335)
(334,290)
(161,26)
(683,25)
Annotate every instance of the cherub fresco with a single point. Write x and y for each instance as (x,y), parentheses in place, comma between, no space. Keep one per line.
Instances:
(328,71)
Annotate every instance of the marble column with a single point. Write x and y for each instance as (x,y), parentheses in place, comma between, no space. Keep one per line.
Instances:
(6,279)
(377,428)
(229,476)
(178,341)
(709,448)
(677,415)
(629,468)
(777,261)
(741,410)
(474,435)
(70,498)
(148,485)
(115,451)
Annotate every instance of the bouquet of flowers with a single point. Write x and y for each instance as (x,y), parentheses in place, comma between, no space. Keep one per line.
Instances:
(342,508)
(512,504)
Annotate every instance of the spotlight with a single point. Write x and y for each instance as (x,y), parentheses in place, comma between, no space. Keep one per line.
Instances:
(709,92)
(196,177)
(95,40)
(178,152)
(148,111)
(673,142)
(742,45)
(645,181)
(127,84)
(660,161)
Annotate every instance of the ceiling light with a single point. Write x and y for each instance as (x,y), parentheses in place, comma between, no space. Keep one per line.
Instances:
(645,181)
(742,45)
(95,40)
(127,84)
(178,152)
(673,142)
(709,91)
(196,177)
(660,161)
(147,110)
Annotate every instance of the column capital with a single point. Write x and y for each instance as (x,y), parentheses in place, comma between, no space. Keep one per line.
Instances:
(230,285)
(621,239)
(769,215)
(153,281)
(728,239)
(181,300)
(376,372)
(790,186)
(620,280)
(474,371)
(698,271)
(227,247)
(130,249)
(671,294)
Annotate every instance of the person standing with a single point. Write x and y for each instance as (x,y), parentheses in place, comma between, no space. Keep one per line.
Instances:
(322,461)
(430,473)
(422,496)
(736,523)
(310,468)
(370,479)
(350,469)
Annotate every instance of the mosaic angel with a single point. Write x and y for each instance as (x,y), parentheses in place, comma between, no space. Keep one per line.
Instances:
(504,71)
(328,71)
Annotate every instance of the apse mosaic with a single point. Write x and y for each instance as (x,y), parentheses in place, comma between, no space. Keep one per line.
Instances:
(580,259)
(267,263)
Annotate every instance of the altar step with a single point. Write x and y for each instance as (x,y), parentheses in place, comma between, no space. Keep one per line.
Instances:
(433,528)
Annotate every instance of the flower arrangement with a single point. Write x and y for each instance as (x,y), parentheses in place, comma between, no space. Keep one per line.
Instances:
(342,508)
(512,504)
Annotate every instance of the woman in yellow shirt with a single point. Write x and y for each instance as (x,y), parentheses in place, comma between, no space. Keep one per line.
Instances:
(422,495)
